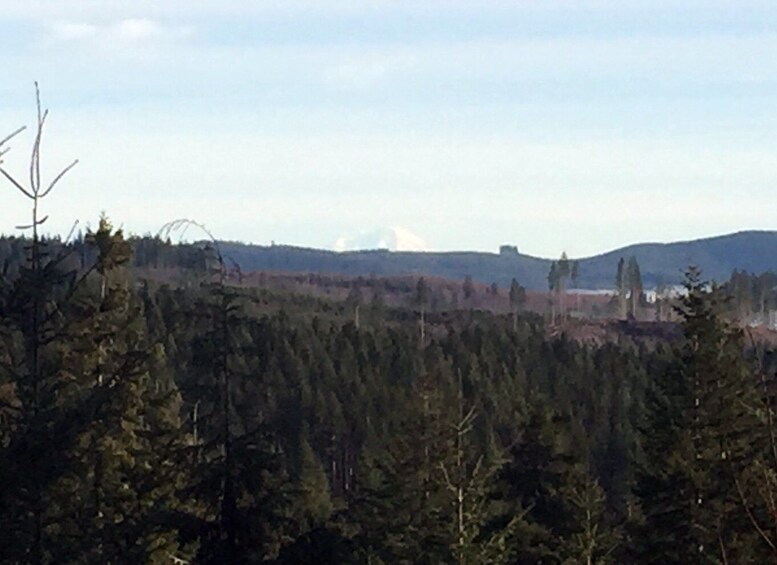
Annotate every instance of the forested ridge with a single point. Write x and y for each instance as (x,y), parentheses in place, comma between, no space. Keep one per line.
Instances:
(196,420)
(662,263)
(152,422)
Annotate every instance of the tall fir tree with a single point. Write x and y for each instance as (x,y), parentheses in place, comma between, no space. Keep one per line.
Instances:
(701,436)
(122,477)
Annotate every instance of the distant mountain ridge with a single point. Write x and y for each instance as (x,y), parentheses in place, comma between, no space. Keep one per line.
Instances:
(660,263)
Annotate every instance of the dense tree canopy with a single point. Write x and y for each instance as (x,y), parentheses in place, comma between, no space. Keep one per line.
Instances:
(206,422)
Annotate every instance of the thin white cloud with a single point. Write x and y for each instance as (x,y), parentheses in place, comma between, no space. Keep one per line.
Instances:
(34,9)
(359,73)
(70,31)
(650,56)
(129,30)
(261,135)
(139,29)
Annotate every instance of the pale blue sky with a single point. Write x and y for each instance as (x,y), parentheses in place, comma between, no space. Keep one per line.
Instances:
(553,125)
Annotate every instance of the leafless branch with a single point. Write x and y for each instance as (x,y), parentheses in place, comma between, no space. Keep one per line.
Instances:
(30,226)
(33,192)
(35,158)
(37,101)
(59,177)
(16,184)
(447,477)
(9,137)
(72,230)
(751,516)
(181,225)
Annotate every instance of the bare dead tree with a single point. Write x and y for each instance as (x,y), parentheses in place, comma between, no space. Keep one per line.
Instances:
(33,327)
(36,190)
(223,309)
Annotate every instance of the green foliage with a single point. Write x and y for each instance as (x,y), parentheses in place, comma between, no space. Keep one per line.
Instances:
(109,429)
(218,423)
(533,492)
(315,502)
(594,540)
(701,436)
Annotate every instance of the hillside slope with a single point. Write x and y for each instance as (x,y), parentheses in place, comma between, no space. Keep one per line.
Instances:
(754,251)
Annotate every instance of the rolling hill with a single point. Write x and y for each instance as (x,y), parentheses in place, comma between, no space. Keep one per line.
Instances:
(754,251)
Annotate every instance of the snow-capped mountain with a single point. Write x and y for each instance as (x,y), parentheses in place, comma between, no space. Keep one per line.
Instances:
(394,239)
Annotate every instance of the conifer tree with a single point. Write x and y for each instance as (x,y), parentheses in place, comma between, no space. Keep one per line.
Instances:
(467,476)
(593,541)
(240,490)
(468,289)
(314,499)
(532,490)
(635,288)
(517,301)
(554,284)
(422,302)
(354,302)
(563,272)
(122,477)
(700,438)
(621,284)
(401,509)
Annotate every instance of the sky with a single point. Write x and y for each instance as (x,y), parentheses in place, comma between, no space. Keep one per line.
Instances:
(552,125)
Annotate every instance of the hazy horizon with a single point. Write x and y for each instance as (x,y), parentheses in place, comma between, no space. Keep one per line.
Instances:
(559,125)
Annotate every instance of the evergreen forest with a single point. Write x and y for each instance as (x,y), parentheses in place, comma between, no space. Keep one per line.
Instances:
(193,419)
